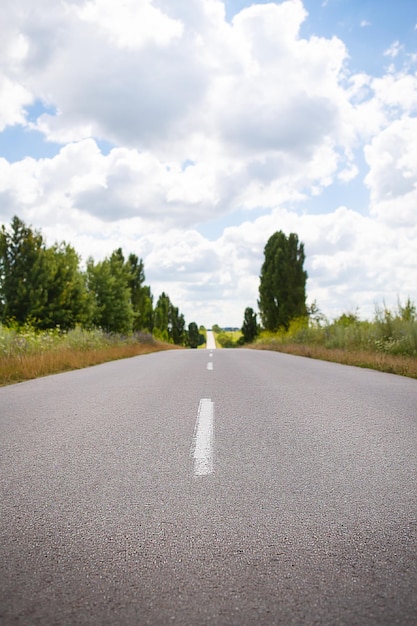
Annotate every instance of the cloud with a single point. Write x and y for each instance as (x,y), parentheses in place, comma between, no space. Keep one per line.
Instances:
(205,119)
(392,177)
(394,50)
(14,98)
(132,23)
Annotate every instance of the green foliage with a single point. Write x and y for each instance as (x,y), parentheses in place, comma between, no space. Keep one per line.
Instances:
(168,322)
(63,299)
(140,294)
(21,267)
(43,287)
(396,331)
(161,317)
(282,295)
(177,330)
(195,338)
(38,284)
(229,339)
(108,282)
(26,340)
(250,327)
(390,332)
(17,340)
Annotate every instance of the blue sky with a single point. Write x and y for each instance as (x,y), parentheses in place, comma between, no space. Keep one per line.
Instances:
(189,133)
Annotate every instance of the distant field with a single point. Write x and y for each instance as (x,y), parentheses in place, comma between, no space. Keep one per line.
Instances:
(227,338)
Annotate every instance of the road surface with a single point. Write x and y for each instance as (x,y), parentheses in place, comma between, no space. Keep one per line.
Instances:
(200,487)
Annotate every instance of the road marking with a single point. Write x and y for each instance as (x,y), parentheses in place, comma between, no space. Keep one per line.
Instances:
(209,365)
(204,439)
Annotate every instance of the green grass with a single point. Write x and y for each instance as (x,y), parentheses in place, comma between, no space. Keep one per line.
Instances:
(27,354)
(227,339)
(387,343)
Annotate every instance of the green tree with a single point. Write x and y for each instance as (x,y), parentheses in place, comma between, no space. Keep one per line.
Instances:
(282,288)
(108,281)
(161,317)
(250,326)
(62,297)
(168,322)
(21,267)
(193,335)
(140,294)
(176,326)
(40,285)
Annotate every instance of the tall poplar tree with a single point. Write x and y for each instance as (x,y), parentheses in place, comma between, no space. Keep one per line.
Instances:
(282,288)
(140,294)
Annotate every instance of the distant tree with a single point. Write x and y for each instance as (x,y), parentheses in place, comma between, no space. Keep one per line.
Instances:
(144,316)
(176,326)
(195,338)
(161,320)
(282,295)
(108,281)
(250,326)
(140,294)
(168,322)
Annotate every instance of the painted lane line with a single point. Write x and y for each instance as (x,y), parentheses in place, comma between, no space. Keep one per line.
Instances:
(209,365)
(204,439)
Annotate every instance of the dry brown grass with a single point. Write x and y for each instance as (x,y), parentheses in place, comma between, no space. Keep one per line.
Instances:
(15,369)
(401,365)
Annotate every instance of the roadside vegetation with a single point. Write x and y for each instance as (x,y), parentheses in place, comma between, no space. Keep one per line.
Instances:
(387,343)
(47,287)
(26,353)
(58,314)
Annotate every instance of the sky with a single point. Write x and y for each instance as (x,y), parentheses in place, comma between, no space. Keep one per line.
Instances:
(189,131)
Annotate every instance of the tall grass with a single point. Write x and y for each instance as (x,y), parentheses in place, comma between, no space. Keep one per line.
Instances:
(387,343)
(26,353)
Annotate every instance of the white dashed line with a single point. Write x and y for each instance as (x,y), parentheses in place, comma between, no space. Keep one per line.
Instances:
(204,439)
(209,365)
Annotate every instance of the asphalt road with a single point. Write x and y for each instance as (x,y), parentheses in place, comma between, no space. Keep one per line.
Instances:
(203,487)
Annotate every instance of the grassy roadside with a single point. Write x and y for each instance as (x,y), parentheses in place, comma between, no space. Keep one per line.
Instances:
(391,364)
(387,343)
(28,355)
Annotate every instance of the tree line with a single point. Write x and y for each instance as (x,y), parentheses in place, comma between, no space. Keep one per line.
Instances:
(44,286)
